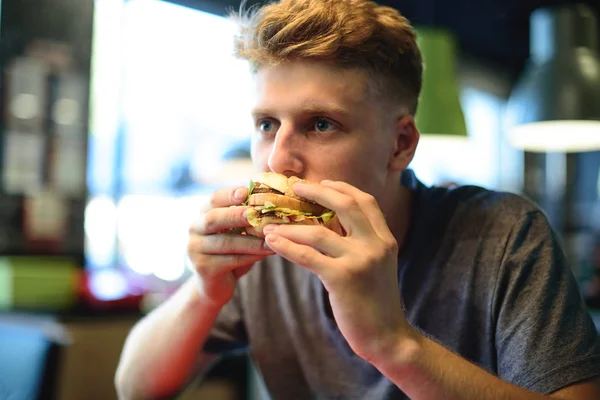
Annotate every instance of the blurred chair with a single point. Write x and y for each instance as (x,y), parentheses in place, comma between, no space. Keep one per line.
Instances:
(30,353)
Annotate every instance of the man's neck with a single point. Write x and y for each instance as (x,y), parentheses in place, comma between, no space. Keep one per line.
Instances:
(398,210)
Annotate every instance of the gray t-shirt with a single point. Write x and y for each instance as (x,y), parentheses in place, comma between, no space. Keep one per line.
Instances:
(481,273)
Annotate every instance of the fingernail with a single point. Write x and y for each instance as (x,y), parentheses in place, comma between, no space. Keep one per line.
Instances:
(271,238)
(269,229)
(240,194)
(266,247)
(245,214)
(326,181)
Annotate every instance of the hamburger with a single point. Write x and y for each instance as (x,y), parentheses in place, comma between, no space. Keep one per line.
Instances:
(273,201)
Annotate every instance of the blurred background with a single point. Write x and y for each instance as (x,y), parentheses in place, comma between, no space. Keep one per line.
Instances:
(120,117)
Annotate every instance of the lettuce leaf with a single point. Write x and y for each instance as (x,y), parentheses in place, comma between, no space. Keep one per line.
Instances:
(252,217)
(327,216)
(287,212)
(250,190)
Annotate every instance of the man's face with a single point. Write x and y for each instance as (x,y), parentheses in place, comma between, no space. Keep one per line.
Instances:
(317,122)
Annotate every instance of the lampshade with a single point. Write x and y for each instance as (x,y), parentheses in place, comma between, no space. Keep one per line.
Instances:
(555,105)
(439,112)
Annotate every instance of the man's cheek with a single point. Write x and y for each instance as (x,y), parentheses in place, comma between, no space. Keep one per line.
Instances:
(260,156)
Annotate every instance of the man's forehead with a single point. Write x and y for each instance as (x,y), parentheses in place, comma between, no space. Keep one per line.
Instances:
(310,87)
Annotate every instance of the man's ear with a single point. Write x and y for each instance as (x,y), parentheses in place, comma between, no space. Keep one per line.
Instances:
(406,138)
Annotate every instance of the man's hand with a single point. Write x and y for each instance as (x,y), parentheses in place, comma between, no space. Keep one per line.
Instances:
(165,350)
(359,270)
(219,257)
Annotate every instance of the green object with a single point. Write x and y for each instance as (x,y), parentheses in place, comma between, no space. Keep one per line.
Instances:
(38,283)
(439,111)
(250,190)
(555,105)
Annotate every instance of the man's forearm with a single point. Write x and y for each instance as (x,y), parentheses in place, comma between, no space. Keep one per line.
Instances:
(165,348)
(425,370)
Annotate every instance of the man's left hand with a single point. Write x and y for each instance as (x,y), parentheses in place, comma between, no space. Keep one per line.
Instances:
(359,270)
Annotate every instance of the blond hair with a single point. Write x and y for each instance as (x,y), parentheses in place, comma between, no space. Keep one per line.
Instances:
(346,33)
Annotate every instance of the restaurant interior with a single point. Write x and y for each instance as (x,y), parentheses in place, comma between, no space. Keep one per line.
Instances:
(120,117)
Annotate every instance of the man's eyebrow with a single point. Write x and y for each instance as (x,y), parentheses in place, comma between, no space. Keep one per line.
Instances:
(314,109)
(324,109)
(260,112)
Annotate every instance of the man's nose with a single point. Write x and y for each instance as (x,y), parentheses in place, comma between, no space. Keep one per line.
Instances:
(286,152)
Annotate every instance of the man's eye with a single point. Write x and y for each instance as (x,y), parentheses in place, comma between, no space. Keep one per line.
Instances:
(322,125)
(266,126)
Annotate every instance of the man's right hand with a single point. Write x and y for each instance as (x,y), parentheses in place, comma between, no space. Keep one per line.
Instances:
(219,257)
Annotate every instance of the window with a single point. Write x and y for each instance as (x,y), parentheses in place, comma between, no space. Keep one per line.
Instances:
(169,101)
(472,160)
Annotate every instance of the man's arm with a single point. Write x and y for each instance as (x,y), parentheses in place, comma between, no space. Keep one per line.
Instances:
(425,370)
(164,350)
(359,272)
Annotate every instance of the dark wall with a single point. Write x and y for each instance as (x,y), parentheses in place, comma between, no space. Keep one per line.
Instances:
(493,31)
(22,22)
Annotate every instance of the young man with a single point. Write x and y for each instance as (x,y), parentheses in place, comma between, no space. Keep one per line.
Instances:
(432,293)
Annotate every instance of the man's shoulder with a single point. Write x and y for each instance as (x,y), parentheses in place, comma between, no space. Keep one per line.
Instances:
(471,212)
(477,201)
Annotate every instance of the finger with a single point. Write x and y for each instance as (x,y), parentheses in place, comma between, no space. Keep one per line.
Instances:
(219,220)
(317,237)
(209,266)
(228,197)
(347,208)
(302,255)
(367,203)
(228,244)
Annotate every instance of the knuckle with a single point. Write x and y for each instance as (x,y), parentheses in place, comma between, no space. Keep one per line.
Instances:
(373,255)
(369,259)
(348,203)
(236,216)
(195,246)
(304,258)
(230,262)
(213,200)
(258,246)
(379,255)
(195,227)
(200,264)
(370,200)
(199,260)
(206,204)
(207,271)
(391,246)
(220,242)
(358,267)
(320,234)
(192,247)
(210,221)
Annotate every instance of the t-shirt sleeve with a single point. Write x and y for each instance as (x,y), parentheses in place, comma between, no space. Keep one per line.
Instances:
(545,338)
(228,334)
